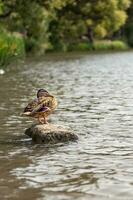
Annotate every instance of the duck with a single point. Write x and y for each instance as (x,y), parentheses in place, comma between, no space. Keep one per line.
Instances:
(41,107)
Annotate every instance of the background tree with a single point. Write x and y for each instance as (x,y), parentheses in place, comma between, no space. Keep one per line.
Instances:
(57,24)
(95,19)
(128,28)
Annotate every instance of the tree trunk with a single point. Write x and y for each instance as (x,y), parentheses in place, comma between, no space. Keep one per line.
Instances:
(90,35)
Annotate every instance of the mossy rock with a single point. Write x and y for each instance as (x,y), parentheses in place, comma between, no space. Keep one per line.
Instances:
(49,133)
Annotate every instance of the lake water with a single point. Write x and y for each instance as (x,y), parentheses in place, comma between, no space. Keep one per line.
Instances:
(95,99)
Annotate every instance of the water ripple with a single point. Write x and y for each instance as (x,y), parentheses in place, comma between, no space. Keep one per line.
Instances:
(95,100)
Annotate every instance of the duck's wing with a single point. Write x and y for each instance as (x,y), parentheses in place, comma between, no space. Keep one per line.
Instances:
(51,102)
(39,105)
(43,105)
(30,107)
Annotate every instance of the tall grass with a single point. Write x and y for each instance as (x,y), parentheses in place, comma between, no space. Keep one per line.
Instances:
(110,45)
(101,45)
(81,46)
(11,47)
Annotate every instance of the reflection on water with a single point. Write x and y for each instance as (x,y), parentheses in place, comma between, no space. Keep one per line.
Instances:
(95,100)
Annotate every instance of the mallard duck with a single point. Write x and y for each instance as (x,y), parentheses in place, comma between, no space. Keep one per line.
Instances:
(41,107)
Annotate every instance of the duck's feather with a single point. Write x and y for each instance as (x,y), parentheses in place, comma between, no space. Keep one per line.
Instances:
(40,105)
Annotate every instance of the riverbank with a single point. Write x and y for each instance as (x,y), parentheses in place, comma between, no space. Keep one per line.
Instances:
(13,47)
(99,45)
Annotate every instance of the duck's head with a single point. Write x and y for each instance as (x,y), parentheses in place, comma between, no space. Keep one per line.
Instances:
(42,93)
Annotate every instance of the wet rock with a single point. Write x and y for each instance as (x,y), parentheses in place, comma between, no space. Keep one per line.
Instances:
(49,133)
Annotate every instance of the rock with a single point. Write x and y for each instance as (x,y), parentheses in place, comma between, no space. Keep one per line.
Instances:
(49,133)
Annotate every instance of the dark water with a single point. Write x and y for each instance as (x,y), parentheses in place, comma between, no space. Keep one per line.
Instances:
(95,95)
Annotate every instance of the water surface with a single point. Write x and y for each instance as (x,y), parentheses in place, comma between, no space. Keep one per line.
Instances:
(95,96)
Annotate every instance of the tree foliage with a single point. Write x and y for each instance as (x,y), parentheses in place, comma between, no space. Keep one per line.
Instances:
(128,28)
(57,24)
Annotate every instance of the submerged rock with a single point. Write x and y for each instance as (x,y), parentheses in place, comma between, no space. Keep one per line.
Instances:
(49,133)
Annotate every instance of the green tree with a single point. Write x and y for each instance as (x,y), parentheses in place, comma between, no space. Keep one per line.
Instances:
(128,28)
(94,19)
(29,18)
(59,23)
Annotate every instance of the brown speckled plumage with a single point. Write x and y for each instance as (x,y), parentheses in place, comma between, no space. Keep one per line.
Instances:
(41,107)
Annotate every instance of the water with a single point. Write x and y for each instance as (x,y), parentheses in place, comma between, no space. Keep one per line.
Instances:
(95,100)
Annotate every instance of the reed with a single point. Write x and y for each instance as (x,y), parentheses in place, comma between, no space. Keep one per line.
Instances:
(11,47)
(101,45)
(110,45)
(81,46)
